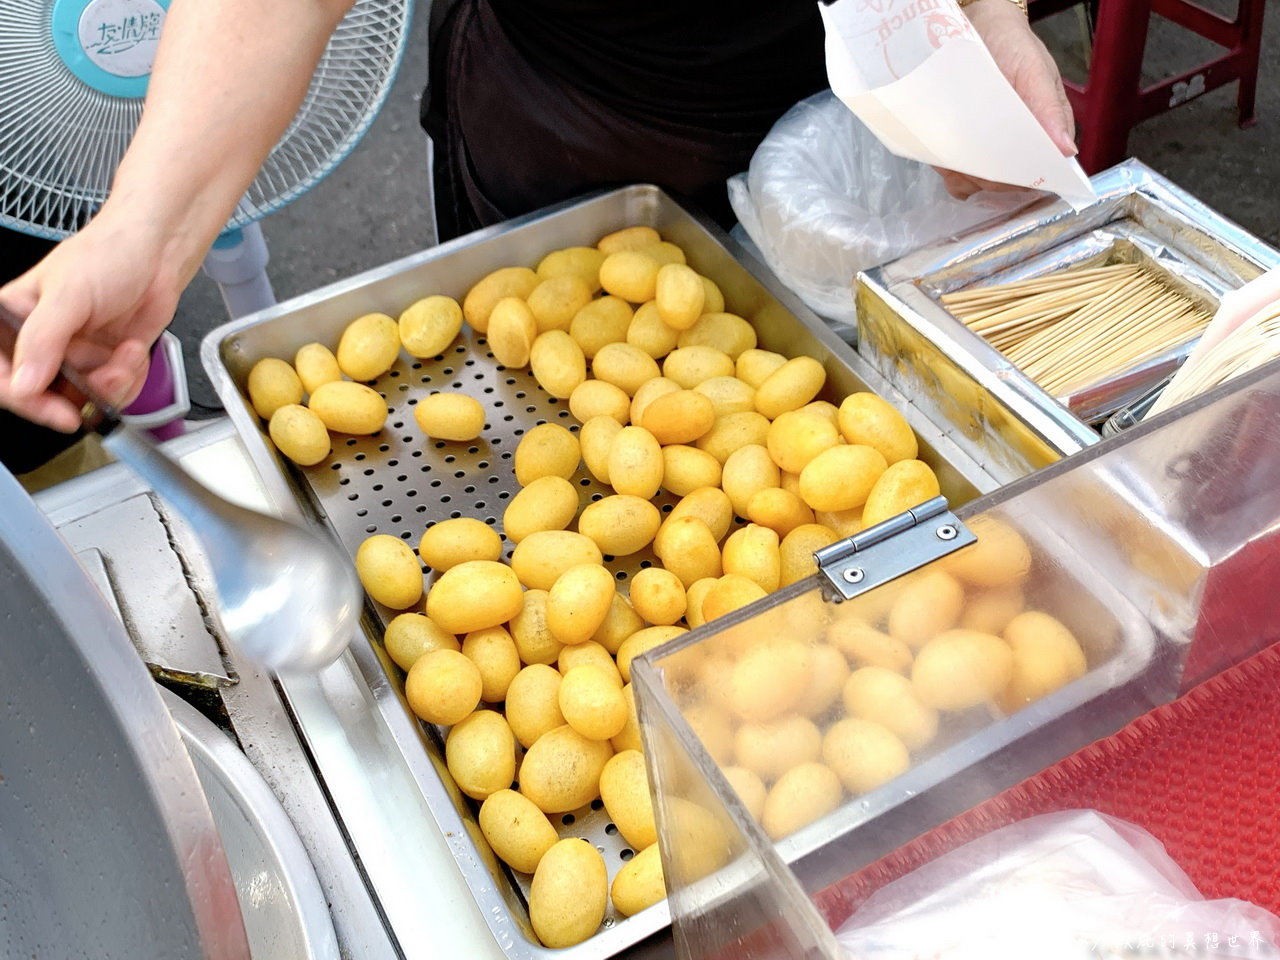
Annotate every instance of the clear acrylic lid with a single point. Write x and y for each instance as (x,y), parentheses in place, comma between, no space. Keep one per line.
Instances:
(794,741)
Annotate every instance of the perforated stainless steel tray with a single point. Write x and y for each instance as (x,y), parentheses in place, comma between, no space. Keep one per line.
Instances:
(397,482)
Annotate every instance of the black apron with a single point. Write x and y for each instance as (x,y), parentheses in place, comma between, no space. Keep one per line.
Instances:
(528,105)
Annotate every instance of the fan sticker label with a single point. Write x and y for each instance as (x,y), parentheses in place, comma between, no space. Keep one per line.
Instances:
(121,36)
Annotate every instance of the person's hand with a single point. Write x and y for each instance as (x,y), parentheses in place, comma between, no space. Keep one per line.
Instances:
(1030,68)
(101,298)
(97,302)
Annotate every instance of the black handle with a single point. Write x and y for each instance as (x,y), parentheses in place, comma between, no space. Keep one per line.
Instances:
(96,414)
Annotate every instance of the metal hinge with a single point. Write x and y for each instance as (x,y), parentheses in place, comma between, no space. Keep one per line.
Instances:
(889,549)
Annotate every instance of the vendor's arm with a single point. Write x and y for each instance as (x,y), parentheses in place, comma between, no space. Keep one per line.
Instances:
(228,78)
(1029,67)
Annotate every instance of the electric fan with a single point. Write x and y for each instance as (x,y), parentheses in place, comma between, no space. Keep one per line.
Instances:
(72,77)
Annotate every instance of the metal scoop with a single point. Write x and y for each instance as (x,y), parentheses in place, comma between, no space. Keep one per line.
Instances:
(286,597)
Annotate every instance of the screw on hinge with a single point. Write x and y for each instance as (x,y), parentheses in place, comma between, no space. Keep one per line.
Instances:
(947,532)
(854,575)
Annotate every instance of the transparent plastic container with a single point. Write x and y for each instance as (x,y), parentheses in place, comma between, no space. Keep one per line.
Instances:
(1120,545)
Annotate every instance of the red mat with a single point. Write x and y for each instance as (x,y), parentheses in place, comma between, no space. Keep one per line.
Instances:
(1201,773)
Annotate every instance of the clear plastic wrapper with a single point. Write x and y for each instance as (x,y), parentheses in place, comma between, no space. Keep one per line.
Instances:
(823,199)
(1062,885)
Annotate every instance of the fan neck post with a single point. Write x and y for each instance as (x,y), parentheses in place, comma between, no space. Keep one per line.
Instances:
(109,44)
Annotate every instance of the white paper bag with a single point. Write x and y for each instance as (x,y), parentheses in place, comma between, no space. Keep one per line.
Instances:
(917,73)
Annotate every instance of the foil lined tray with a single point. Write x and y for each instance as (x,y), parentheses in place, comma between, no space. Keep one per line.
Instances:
(960,379)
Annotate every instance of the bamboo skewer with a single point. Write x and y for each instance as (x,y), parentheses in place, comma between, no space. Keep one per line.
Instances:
(1040,349)
(1042,303)
(1137,344)
(1098,330)
(1020,329)
(1022,288)
(1133,342)
(1078,327)
(1123,355)
(1048,279)
(1252,344)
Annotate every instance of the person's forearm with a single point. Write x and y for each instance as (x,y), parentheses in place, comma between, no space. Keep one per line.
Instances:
(228,78)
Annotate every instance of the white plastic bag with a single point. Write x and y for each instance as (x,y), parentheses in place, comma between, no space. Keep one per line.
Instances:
(824,199)
(1063,885)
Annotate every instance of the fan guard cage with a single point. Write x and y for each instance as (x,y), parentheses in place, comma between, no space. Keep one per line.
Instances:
(61,140)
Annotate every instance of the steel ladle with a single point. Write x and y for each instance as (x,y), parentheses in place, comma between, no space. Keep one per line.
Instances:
(287,597)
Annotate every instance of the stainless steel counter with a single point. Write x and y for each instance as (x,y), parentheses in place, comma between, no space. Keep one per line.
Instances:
(111,515)
(107,848)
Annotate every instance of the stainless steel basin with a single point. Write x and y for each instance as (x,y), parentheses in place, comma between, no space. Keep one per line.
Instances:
(284,909)
(108,848)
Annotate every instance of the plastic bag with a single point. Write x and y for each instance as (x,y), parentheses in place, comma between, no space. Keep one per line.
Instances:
(824,199)
(1061,885)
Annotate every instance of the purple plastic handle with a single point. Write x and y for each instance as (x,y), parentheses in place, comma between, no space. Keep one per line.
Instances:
(157,391)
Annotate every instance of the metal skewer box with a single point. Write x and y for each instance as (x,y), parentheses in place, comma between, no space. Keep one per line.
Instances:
(986,404)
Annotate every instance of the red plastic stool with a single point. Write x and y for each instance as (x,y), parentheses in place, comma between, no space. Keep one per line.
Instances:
(1113,99)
